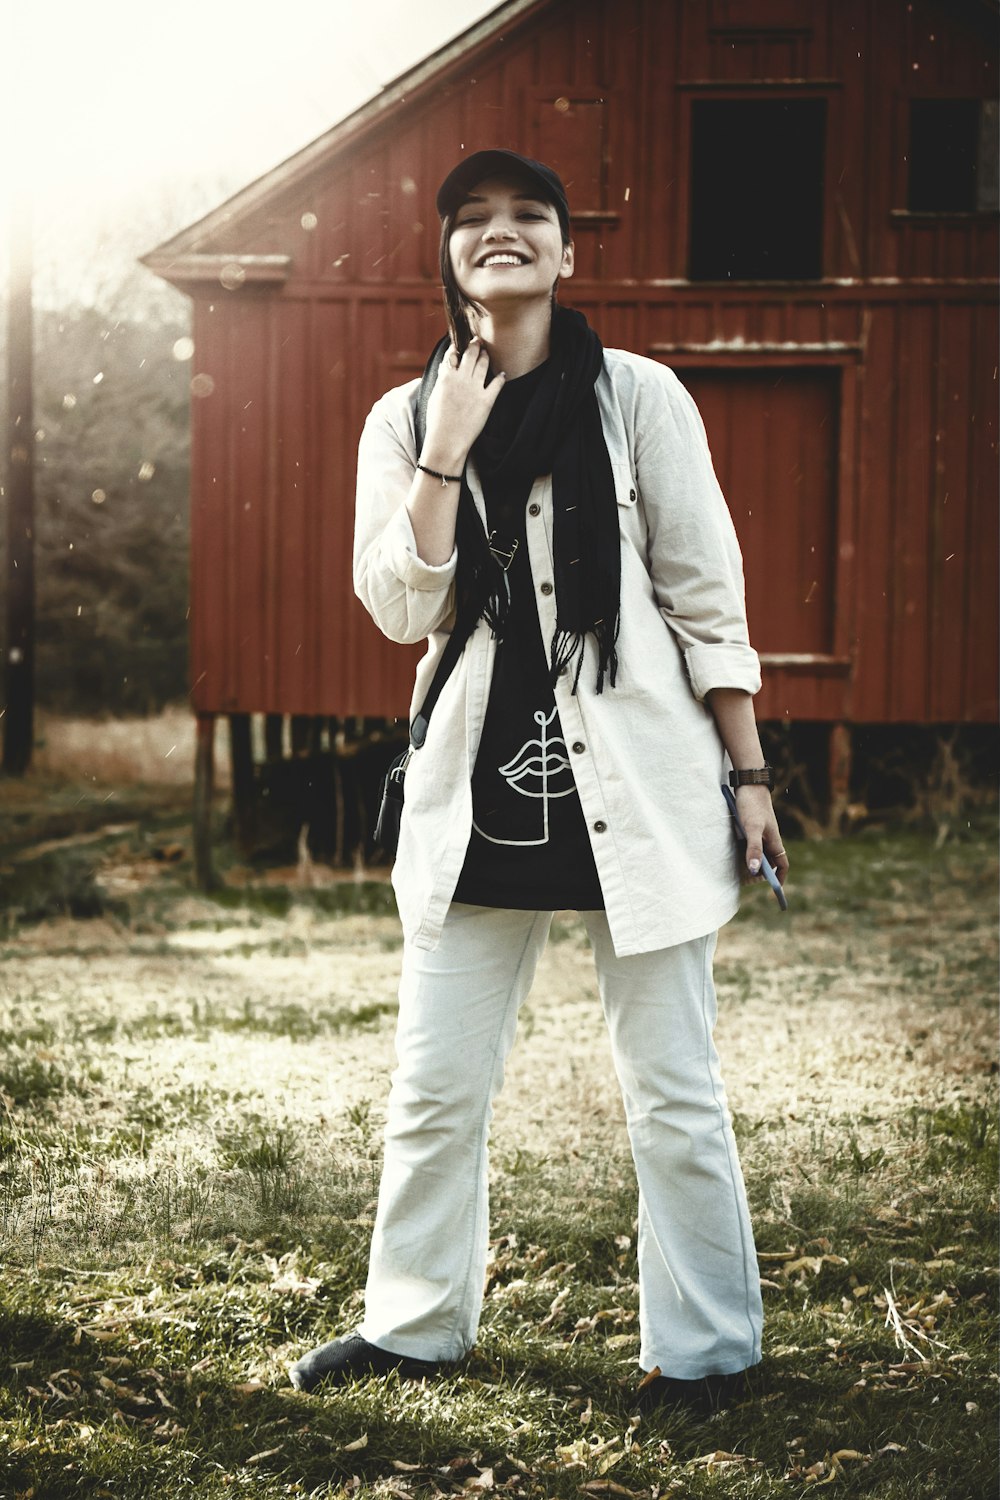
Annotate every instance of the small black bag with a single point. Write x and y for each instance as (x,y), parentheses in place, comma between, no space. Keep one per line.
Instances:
(390,811)
(390,808)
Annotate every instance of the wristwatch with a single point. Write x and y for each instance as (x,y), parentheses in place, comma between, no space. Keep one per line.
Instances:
(760,776)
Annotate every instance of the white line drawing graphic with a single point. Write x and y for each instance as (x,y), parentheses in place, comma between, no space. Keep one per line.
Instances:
(542,761)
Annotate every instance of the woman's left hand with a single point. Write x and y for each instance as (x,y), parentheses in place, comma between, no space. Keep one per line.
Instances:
(761,828)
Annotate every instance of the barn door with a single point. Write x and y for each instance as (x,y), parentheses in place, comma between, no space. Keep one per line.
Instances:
(774,437)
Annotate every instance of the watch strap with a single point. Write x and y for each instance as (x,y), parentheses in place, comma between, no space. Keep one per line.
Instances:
(758,776)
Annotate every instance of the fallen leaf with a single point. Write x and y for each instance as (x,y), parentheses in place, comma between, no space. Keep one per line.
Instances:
(813,1263)
(607,1487)
(581,1452)
(720,1460)
(357,1445)
(482,1481)
(258,1458)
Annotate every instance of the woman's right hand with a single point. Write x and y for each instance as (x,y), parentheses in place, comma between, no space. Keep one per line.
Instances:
(460,404)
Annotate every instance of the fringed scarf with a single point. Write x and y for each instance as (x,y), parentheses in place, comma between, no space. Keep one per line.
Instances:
(561,435)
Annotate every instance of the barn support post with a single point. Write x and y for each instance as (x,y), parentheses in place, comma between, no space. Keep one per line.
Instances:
(204,776)
(302,734)
(840,753)
(273,733)
(19,667)
(241,756)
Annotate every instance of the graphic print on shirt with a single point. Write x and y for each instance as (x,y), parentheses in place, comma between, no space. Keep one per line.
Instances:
(539,769)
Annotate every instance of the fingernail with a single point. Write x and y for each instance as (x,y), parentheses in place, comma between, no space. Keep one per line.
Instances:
(754,866)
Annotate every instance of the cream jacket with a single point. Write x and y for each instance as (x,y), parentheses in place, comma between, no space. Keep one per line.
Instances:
(646,754)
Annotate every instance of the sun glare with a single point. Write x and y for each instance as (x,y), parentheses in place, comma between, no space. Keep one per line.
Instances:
(108,98)
(112,104)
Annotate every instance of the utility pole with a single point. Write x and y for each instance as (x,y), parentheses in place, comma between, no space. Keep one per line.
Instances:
(19,673)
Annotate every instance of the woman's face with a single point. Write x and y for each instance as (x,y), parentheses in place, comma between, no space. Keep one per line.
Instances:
(506,243)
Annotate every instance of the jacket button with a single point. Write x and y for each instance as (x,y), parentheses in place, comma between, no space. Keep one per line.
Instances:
(600,827)
(546,588)
(631,496)
(578,747)
(534,508)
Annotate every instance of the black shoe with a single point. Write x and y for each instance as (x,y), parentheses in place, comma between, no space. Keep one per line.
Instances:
(699,1398)
(353,1358)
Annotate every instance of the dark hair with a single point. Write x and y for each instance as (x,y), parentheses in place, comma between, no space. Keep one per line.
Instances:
(457,305)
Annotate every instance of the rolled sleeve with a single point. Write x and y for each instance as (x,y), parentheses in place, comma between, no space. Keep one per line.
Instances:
(399,553)
(405,596)
(722,666)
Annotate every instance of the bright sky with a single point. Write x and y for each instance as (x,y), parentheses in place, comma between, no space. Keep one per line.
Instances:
(128,107)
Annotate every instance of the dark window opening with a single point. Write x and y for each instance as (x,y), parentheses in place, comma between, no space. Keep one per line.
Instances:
(952,156)
(757,189)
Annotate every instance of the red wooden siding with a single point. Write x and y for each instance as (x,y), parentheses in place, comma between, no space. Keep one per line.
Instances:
(774,445)
(852,418)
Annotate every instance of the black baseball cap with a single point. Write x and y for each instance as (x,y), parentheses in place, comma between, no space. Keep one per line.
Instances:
(482,164)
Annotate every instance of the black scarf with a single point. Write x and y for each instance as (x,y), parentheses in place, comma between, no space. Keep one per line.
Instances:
(561,435)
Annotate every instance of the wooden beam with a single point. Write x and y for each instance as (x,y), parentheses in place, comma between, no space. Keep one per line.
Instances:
(840,752)
(273,729)
(19,674)
(204,778)
(244,798)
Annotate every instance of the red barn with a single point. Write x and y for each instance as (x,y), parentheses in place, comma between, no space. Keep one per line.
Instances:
(792,202)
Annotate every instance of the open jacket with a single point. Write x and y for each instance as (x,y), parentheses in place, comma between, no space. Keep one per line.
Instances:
(648,759)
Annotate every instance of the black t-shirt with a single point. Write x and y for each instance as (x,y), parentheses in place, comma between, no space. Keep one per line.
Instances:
(529,847)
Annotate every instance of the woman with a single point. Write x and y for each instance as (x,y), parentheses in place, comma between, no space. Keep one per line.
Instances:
(559,514)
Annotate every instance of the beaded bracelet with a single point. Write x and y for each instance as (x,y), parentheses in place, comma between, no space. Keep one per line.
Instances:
(436,474)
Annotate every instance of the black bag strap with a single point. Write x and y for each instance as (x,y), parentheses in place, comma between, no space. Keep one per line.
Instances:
(455,644)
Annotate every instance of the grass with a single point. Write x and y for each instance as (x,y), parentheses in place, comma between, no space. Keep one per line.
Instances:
(191,1097)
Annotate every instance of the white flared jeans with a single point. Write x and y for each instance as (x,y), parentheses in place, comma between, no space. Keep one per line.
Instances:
(699,1289)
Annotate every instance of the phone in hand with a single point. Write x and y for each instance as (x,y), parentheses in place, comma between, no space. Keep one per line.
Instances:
(766,867)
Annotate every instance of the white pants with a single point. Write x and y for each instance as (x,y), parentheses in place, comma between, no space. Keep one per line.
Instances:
(699,1291)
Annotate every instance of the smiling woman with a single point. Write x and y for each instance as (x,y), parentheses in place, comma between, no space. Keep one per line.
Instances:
(504,223)
(544,512)
(502,229)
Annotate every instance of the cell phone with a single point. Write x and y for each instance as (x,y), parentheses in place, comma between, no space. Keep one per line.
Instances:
(766,867)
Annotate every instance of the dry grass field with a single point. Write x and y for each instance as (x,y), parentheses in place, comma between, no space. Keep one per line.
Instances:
(191,1096)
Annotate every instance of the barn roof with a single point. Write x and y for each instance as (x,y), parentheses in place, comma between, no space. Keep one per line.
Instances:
(409,88)
(187,258)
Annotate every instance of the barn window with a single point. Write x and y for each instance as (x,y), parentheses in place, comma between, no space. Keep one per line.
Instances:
(952,156)
(757,189)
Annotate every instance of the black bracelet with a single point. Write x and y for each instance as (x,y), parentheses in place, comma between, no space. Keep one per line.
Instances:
(436,474)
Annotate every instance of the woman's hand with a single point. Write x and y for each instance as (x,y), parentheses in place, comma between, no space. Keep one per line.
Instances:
(753,804)
(460,404)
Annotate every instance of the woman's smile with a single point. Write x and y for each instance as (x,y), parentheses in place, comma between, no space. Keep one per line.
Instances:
(503,227)
(503,258)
